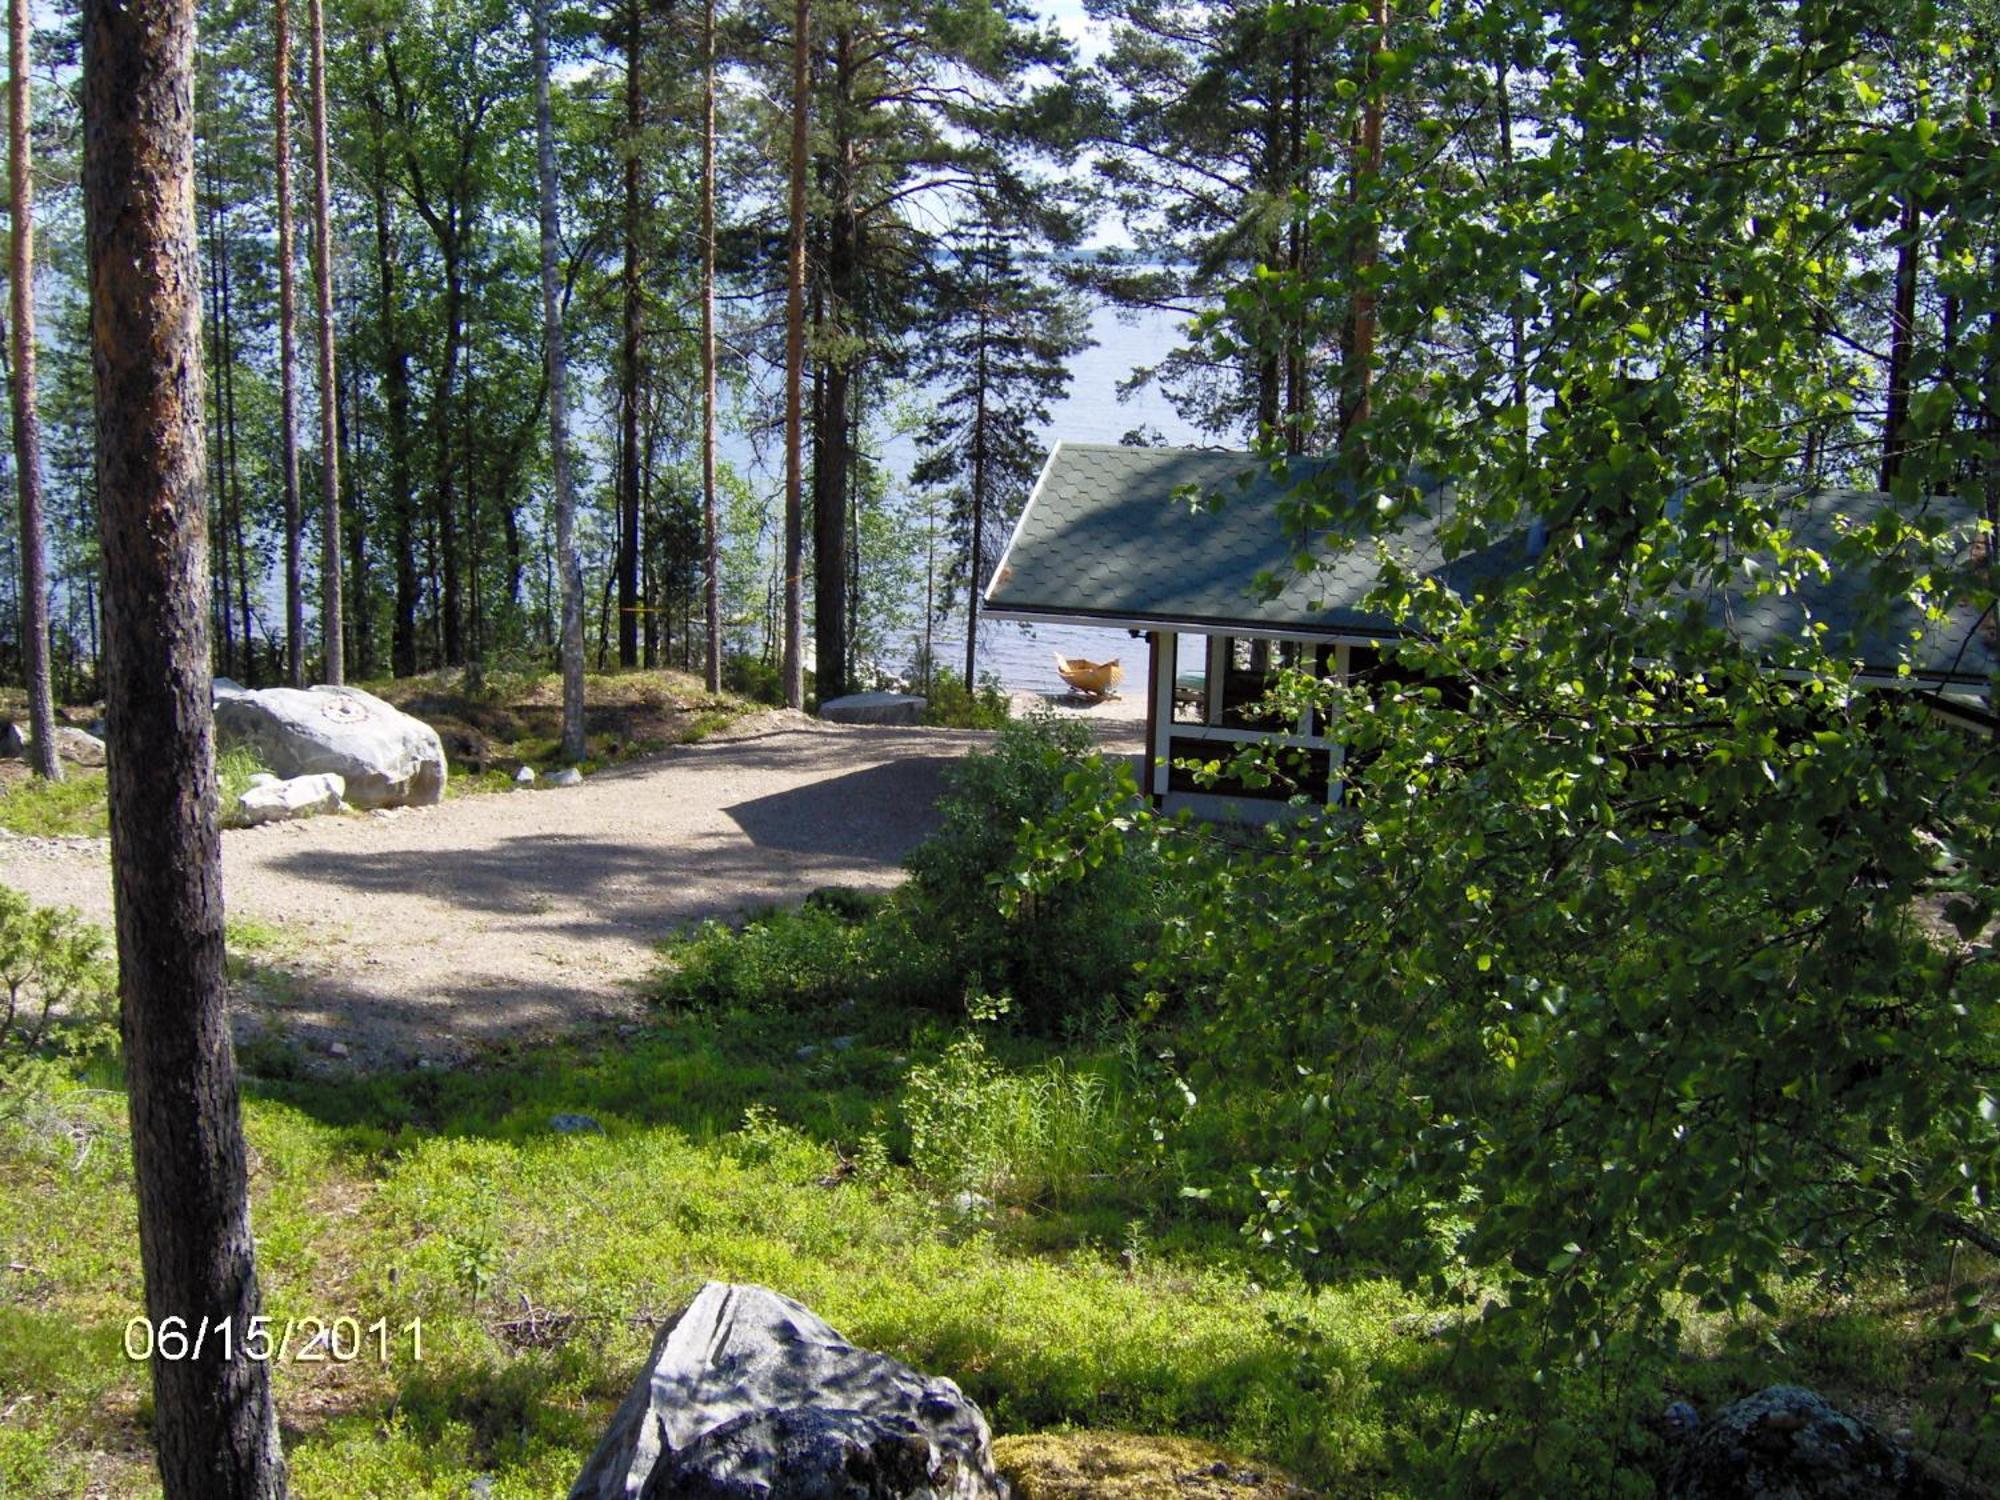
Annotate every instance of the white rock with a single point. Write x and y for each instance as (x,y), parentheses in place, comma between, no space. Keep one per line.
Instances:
(385,757)
(263,778)
(567,776)
(300,797)
(525,776)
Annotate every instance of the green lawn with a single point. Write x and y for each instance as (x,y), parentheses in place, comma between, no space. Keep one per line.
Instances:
(998,1210)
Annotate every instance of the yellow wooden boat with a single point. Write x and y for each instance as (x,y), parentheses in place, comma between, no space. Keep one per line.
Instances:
(1093,679)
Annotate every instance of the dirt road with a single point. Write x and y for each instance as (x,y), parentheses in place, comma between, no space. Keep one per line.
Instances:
(421,932)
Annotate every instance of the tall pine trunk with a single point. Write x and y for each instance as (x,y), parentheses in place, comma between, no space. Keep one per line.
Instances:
(1358,373)
(43,754)
(1902,338)
(396,401)
(288,357)
(566,564)
(215,1433)
(795,360)
(978,558)
(330,617)
(628,358)
(833,449)
(711,540)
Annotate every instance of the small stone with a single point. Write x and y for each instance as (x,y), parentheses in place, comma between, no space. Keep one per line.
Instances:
(575,1125)
(263,778)
(807,1051)
(525,776)
(842,1043)
(567,776)
(277,801)
(336,1049)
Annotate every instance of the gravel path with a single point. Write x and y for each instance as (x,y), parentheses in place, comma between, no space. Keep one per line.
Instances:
(419,933)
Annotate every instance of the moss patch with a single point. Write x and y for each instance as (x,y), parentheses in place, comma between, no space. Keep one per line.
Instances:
(1129,1466)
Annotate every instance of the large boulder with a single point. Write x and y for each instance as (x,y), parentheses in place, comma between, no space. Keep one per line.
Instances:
(1787,1443)
(749,1396)
(874,708)
(383,756)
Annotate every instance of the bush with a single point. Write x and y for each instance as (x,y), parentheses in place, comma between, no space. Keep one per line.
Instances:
(1068,952)
(1049,1137)
(56,991)
(812,956)
(951,704)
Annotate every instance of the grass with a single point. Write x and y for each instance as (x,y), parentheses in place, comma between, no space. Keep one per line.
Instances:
(537,1262)
(494,722)
(74,806)
(748,1147)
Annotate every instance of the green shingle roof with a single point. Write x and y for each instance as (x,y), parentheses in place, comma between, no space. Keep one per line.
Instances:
(1109,536)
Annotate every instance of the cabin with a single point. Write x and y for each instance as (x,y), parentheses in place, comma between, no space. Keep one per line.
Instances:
(1183,548)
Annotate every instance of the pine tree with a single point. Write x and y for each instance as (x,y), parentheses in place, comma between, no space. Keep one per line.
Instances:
(44,755)
(215,1432)
(999,349)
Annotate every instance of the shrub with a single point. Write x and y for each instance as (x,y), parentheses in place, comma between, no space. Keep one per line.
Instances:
(56,990)
(1049,1136)
(1066,952)
(952,704)
(783,958)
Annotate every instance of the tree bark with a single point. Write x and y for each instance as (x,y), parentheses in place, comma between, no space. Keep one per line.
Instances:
(711,539)
(1902,336)
(396,400)
(566,563)
(795,359)
(1358,376)
(628,358)
(288,357)
(977,560)
(833,452)
(43,753)
(330,616)
(215,1432)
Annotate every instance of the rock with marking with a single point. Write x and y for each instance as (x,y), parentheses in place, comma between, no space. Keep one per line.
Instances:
(874,708)
(750,1396)
(385,757)
(299,797)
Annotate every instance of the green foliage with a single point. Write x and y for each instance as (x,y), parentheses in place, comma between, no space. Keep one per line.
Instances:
(75,806)
(57,996)
(950,704)
(781,959)
(1050,1136)
(1065,952)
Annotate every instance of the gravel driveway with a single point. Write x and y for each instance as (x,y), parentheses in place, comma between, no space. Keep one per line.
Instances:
(416,933)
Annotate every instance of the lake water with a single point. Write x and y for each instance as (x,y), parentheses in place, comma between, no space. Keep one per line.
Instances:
(1021,656)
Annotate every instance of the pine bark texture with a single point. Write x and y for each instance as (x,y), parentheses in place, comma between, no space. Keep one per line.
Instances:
(331,620)
(633,327)
(795,361)
(288,345)
(43,755)
(711,539)
(215,1432)
(566,563)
